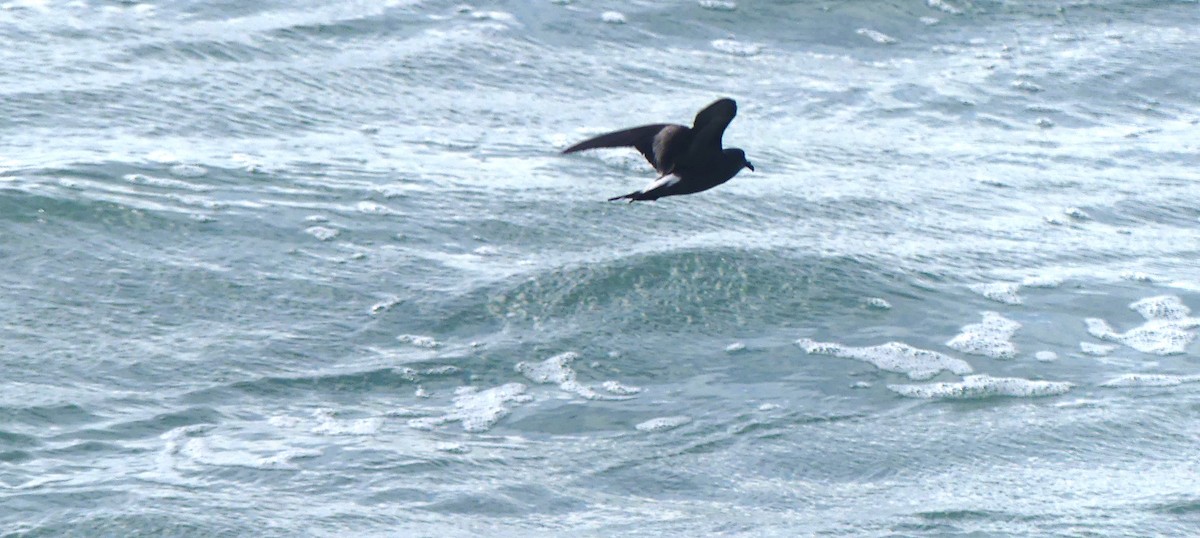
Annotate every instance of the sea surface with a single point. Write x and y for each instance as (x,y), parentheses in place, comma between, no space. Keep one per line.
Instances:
(317,268)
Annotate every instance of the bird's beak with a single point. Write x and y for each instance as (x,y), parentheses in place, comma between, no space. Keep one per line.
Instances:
(750,166)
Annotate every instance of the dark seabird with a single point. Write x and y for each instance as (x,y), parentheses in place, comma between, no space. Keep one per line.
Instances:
(689,160)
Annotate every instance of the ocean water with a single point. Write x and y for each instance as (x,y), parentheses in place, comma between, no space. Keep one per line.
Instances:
(317,268)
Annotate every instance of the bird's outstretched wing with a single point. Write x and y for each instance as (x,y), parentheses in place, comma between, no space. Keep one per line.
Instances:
(709,127)
(660,143)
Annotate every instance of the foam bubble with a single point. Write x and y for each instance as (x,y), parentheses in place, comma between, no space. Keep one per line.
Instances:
(876,36)
(1001,292)
(663,423)
(613,17)
(1166,331)
(983,386)
(861,385)
(321,232)
(989,338)
(768,407)
(929,21)
(893,357)
(1150,380)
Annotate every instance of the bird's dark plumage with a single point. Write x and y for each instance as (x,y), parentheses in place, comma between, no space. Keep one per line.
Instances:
(689,159)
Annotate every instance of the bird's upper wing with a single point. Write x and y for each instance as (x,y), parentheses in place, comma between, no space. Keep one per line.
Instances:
(709,126)
(661,143)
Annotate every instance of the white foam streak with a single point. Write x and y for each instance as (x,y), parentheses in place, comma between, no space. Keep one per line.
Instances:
(983,386)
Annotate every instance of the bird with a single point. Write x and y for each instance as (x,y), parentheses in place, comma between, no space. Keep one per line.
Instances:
(689,160)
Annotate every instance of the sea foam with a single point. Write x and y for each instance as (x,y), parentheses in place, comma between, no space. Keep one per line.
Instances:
(989,338)
(983,386)
(1166,331)
(893,357)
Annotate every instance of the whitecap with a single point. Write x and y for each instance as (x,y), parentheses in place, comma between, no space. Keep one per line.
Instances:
(477,410)
(736,48)
(447,369)
(614,387)
(426,342)
(557,370)
(321,232)
(385,304)
(718,5)
(944,6)
(877,303)
(613,17)
(329,424)
(452,448)
(663,423)
(876,36)
(1136,276)
(189,170)
(1076,213)
(735,347)
(1042,281)
(373,208)
(1046,356)
(1001,292)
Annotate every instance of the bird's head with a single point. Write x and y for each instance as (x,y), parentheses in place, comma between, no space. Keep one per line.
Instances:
(735,155)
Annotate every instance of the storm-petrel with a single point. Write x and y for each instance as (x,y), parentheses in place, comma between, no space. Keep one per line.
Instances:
(689,160)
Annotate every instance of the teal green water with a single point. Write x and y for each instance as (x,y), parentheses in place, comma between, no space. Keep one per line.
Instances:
(318,269)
